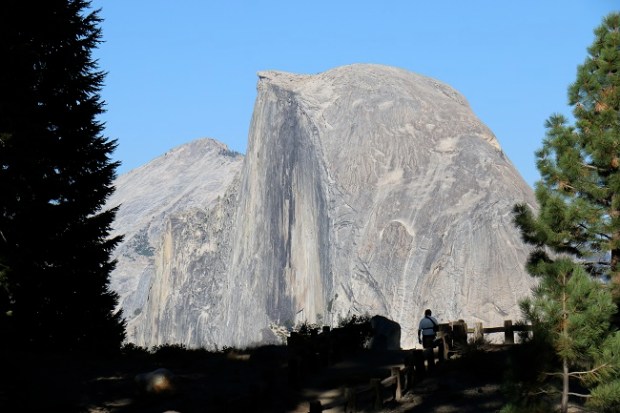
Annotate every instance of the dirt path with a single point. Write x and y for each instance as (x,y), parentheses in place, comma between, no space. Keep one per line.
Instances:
(228,383)
(455,386)
(327,385)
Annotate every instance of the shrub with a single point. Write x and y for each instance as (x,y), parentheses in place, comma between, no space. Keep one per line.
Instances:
(130,349)
(357,331)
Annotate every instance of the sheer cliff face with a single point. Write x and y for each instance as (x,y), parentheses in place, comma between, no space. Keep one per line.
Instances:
(364,189)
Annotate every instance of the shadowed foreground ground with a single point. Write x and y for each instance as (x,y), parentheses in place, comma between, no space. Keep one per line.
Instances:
(258,382)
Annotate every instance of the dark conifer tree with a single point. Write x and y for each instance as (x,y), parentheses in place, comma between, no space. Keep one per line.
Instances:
(55,176)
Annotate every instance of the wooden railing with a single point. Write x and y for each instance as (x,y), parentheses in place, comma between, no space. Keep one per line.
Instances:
(374,394)
(415,366)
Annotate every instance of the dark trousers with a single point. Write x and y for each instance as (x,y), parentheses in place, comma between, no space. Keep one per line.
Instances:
(428,341)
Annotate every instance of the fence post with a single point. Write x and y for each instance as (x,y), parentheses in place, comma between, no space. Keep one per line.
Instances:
(441,348)
(478,331)
(324,346)
(315,406)
(375,384)
(294,369)
(446,335)
(410,372)
(418,362)
(399,386)
(349,397)
(459,334)
(509,335)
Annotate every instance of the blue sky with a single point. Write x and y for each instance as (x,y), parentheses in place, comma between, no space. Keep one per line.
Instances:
(186,69)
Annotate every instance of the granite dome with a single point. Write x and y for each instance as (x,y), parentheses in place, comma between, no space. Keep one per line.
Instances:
(365,188)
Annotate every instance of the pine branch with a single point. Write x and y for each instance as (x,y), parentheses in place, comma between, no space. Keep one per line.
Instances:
(579,374)
(564,186)
(592,263)
(543,391)
(599,234)
(595,168)
(585,396)
(584,373)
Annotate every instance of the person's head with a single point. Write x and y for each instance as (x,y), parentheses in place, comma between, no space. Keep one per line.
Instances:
(428,312)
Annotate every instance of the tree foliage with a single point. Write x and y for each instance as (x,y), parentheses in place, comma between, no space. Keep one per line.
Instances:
(576,232)
(579,191)
(570,312)
(55,175)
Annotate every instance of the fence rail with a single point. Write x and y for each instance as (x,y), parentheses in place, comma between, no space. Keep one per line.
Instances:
(415,367)
(375,394)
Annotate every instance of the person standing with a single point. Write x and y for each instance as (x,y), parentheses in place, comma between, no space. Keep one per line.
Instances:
(427,331)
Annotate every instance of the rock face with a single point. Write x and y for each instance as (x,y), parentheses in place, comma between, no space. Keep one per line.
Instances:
(176,216)
(386,334)
(365,189)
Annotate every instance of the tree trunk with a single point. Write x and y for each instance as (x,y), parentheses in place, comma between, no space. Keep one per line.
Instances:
(614,270)
(614,263)
(564,404)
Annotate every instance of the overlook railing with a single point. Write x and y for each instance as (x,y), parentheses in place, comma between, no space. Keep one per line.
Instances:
(308,353)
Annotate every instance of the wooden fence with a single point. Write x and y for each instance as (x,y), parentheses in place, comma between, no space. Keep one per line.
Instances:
(379,391)
(374,395)
(455,334)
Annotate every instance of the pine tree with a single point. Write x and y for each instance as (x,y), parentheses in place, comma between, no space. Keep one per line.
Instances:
(576,232)
(55,175)
(570,312)
(579,191)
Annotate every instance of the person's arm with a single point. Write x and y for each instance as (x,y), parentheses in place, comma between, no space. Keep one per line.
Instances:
(420,335)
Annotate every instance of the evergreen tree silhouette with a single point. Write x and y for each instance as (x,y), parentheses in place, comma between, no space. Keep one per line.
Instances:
(55,176)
